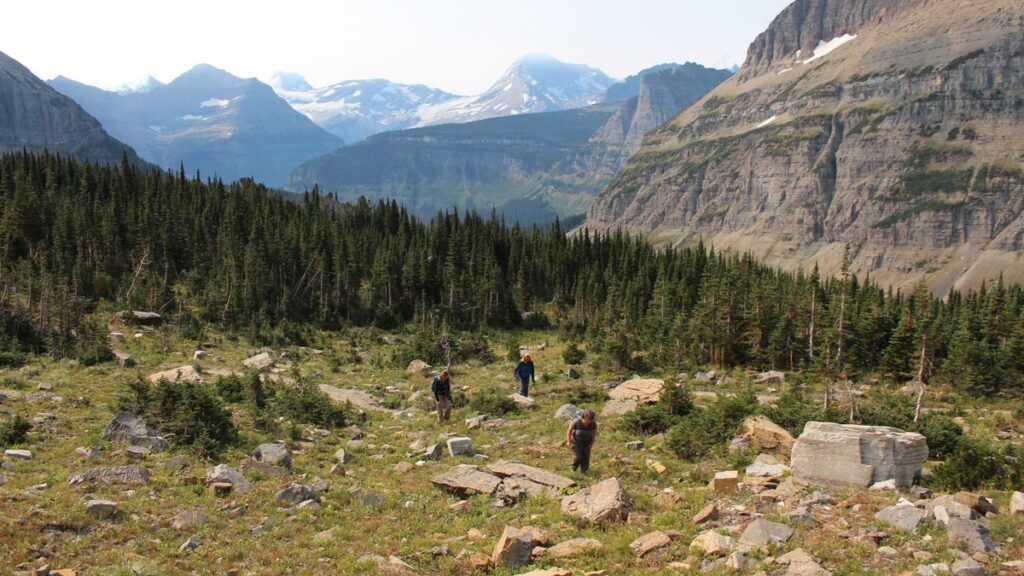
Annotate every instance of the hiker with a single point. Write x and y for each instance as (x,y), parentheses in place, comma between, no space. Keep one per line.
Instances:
(442,389)
(580,437)
(524,373)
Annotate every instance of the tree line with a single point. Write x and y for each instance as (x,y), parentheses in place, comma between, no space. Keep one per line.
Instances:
(247,258)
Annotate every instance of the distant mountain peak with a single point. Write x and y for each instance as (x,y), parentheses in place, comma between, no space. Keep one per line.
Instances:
(139,86)
(289,81)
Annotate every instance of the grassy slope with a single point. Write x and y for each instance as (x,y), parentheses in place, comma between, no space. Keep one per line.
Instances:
(414,516)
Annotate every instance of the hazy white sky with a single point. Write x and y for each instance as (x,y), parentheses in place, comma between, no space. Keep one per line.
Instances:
(457,45)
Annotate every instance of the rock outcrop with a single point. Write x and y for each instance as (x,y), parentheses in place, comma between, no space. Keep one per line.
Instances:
(852,455)
(893,126)
(603,502)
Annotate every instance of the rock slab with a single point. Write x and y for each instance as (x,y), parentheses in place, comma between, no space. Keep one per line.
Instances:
(131,429)
(603,502)
(852,455)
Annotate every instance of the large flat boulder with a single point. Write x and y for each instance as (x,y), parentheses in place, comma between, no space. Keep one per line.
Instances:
(573,547)
(259,362)
(509,468)
(640,390)
(852,455)
(618,407)
(357,398)
(186,373)
(601,503)
(466,479)
(112,475)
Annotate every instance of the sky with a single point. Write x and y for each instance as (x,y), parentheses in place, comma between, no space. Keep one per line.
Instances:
(461,46)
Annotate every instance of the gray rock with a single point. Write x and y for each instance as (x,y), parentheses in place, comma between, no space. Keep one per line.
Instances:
(603,502)
(851,455)
(973,534)
(131,429)
(569,412)
(524,402)
(466,479)
(433,452)
(763,532)
(903,517)
(259,362)
(968,567)
(1017,503)
(771,377)
(222,473)
(572,373)
(191,544)
(635,445)
(14,454)
(124,359)
(342,456)
(295,493)
(460,446)
(87,452)
(101,508)
(274,454)
(189,518)
(139,452)
(112,475)
(175,464)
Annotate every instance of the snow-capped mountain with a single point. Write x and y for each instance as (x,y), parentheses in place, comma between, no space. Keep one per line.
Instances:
(211,121)
(534,83)
(140,86)
(356,109)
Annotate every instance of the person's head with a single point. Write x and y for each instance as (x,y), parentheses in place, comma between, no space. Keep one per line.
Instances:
(526,358)
(444,374)
(588,416)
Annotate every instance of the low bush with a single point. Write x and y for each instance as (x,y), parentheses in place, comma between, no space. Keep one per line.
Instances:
(190,413)
(581,394)
(14,431)
(306,403)
(231,389)
(492,402)
(676,403)
(702,431)
(978,463)
(573,355)
(12,359)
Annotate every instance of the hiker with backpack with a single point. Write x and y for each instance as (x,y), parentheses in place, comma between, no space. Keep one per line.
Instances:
(441,387)
(524,372)
(580,437)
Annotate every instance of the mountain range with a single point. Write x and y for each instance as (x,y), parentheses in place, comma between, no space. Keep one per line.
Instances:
(889,127)
(531,167)
(210,121)
(34,116)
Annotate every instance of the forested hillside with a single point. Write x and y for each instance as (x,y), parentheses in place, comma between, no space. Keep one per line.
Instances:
(75,238)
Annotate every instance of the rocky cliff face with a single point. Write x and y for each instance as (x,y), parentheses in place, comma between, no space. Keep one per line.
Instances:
(34,116)
(531,167)
(897,129)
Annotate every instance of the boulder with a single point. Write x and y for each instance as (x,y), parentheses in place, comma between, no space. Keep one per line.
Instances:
(603,502)
(356,398)
(618,407)
(460,446)
(186,373)
(569,412)
(101,508)
(15,454)
(648,543)
(770,378)
(248,467)
(763,532)
(640,390)
(712,543)
(765,466)
(124,359)
(767,435)
(903,517)
(112,475)
(131,429)
(342,456)
(513,549)
(967,567)
(189,518)
(1017,503)
(259,362)
(974,534)
(433,452)
(191,544)
(275,454)
(417,367)
(725,482)
(523,402)
(222,473)
(517,470)
(466,479)
(573,547)
(296,493)
(852,455)
(706,514)
(800,563)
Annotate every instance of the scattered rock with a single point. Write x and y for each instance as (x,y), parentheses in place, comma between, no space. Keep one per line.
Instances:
(547,572)
(712,543)
(101,508)
(889,484)
(605,501)
(514,548)
(249,466)
(524,402)
(460,446)
(763,532)
(275,454)
(186,373)
(770,378)
(648,543)
(88,452)
(466,479)
(476,560)
(706,514)
(199,354)
(726,482)
(459,507)
(191,544)
(342,456)
(189,518)
(433,452)
(357,398)
(124,359)
(569,412)
(573,547)
(140,317)
(640,390)
(572,373)
(658,467)
(888,552)
(131,429)
(635,445)
(417,367)
(904,517)
(1017,503)
(767,435)
(15,454)
(967,567)
(852,455)
(296,493)
(800,563)
(509,469)
(618,407)
(766,466)
(222,473)
(138,452)
(973,534)
(112,475)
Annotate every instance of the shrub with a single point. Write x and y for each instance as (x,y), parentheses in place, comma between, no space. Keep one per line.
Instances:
(492,402)
(14,431)
(581,394)
(702,431)
(943,434)
(91,345)
(793,410)
(977,463)
(573,355)
(676,402)
(512,349)
(231,389)
(190,412)
(12,359)
(307,404)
